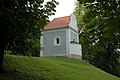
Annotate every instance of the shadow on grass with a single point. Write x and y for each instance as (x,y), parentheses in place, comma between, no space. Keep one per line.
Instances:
(13,75)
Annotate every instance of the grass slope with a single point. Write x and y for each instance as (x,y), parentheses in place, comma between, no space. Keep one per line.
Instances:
(30,68)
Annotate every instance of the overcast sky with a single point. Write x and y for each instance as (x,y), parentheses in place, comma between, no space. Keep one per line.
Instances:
(65,8)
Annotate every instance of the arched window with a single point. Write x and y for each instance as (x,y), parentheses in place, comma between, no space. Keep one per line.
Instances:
(57,40)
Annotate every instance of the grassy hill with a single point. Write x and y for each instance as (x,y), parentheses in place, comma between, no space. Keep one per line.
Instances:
(30,68)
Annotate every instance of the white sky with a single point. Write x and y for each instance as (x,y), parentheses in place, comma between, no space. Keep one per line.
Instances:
(65,8)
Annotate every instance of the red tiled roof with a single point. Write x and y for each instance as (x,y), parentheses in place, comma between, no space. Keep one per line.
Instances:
(61,22)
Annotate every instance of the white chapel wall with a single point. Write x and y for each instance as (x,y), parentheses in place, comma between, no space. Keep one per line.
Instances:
(73,22)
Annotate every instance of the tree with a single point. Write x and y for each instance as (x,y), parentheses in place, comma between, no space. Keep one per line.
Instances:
(80,12)
(102,29)
(21,22)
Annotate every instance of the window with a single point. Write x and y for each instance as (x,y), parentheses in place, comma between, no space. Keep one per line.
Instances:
(57,40)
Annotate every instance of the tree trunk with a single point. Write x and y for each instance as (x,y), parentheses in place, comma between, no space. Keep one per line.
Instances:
(2,48)
(1,59)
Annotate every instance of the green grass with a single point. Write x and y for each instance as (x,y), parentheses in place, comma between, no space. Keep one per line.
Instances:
(30,68)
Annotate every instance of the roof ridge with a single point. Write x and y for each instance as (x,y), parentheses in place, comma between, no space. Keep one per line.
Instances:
(61,17)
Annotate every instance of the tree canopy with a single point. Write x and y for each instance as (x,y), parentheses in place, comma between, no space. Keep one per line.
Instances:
(101,34)
(21,22)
